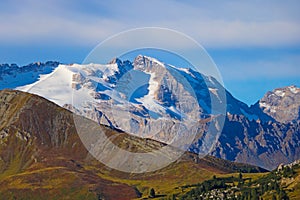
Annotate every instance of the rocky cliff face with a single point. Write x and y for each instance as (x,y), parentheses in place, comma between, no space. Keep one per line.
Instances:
(267,144)
(282,104)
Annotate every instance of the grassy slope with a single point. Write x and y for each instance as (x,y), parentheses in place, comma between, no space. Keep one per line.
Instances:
(45,159)
(293,185)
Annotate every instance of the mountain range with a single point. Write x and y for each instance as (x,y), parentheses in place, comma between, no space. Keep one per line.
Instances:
(151,99)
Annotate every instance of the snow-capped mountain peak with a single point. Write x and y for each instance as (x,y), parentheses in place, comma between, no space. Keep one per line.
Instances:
(142,97)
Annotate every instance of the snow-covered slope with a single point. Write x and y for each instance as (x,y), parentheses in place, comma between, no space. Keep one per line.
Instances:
(55,86)
(74,84)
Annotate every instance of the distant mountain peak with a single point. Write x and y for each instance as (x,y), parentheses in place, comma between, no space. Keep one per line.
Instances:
(282,104)
(115,61)
(281,92)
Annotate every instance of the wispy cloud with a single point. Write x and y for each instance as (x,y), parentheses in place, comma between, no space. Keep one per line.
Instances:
(217,24)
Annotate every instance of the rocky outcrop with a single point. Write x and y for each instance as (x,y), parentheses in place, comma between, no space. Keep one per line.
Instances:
(282,104)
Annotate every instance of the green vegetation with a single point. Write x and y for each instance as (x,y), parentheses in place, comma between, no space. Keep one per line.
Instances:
(268,186)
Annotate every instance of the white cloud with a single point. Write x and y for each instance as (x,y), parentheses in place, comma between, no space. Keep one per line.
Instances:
(220,33)
(27,28)
(228,24)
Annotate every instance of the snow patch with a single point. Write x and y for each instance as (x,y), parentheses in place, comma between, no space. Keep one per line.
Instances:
(293,89)
(214,91)
(264,105)
(280,93)
(148,100)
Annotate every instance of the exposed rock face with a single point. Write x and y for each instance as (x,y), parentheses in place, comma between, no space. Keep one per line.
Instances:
(267,144)
(282,104)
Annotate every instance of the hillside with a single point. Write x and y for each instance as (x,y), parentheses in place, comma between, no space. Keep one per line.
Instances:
(41,156)
(282,184)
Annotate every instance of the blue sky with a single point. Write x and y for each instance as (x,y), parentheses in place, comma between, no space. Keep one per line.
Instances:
(255,44)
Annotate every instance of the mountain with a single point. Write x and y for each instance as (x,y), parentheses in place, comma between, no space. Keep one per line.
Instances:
(177,106)
(282,104)
(43,157)
(266,144)
(145,97)
(12,76)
